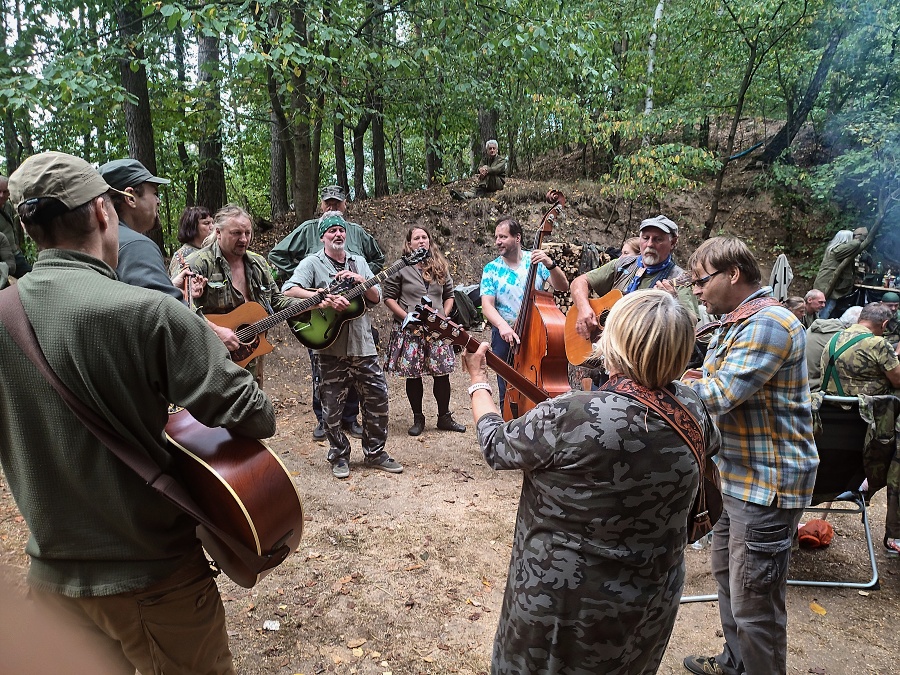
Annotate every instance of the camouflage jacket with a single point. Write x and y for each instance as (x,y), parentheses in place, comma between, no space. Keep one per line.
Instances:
(861,368)
(597,562)
(220,296)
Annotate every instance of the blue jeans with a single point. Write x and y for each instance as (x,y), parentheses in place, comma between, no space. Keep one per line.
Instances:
(500,347)
(751,549)
(825,312)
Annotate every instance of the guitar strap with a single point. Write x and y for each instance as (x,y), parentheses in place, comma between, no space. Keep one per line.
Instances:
(13,317)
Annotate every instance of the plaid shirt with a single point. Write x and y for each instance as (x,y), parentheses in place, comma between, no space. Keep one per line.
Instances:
(755,386)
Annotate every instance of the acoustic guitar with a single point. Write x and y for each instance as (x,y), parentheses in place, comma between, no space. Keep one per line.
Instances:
(579,350)
(426,321)
(316,328)
(243,488)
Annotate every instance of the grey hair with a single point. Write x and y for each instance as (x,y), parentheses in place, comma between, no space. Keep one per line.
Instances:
(842,237)
(812,293)
(851,316)
(492,142)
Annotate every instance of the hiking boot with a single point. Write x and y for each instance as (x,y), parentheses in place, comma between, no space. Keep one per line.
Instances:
(353,429)
(340,469)
(703,665)
(319,431)
(418,425)
(384,462)
(447,423)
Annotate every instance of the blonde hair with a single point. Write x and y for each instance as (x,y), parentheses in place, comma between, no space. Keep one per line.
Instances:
(221,217)
(648,338)
(435,267)
(634,243)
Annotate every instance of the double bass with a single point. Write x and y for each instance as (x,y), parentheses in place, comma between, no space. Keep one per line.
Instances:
(541,354)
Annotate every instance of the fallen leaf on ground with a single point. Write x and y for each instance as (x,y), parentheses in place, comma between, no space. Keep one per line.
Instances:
(818,609)
(356,642)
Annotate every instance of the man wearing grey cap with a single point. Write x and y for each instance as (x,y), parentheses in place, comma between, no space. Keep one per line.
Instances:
(653,268)
(107,550)
(137,205)
(304,241)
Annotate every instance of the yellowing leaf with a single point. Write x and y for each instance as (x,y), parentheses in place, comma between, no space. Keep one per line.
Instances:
(818,609)
(356,642)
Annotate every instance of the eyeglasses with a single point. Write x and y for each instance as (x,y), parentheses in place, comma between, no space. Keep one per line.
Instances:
(702,281)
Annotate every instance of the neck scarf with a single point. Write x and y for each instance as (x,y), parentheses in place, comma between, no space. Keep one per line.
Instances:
(660,270)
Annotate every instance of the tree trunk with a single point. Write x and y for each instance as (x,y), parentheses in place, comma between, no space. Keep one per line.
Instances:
(138,121)
(304,182)
(316,158)
(190,185)
(651,57)
(211,176)
(379,160)
(278,199)
(340,157)
(359,157)
(795,121)
(488,119)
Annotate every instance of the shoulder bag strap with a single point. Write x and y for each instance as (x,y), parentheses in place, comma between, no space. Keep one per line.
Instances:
(13,317)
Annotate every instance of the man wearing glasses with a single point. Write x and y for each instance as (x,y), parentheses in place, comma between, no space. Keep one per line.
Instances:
(754,384)
(653,268)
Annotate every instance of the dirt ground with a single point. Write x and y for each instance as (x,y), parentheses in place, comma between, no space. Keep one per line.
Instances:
(404,574)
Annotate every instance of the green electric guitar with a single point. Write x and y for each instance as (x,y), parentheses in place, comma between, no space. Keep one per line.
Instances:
(315,327)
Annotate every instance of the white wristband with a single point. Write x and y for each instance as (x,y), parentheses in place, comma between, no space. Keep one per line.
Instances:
(481,385)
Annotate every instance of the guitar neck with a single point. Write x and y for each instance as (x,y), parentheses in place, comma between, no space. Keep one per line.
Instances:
(248,332)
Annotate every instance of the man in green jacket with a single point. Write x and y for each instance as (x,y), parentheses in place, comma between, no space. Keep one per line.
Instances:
(107,550)
(491,174)
(305,241)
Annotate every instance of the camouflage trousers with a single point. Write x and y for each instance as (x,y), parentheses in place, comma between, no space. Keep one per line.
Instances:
(338,374)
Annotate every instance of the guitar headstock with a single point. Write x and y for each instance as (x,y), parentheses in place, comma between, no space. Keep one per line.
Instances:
(426,321)
(416,256)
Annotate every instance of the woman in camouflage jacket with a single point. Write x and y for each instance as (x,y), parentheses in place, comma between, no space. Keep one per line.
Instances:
(597,565)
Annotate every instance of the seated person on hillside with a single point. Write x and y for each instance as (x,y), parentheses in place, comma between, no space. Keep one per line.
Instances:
(7,261)
(845,244)
(818,336)
(858,360)
(491,174)
(892,331)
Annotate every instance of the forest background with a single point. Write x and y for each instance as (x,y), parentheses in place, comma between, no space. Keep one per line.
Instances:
(261,102)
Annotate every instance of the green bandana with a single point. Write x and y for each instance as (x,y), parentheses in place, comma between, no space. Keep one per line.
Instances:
(329,222)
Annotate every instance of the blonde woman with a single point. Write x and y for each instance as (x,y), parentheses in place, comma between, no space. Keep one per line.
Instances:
(597,565)
(412,356)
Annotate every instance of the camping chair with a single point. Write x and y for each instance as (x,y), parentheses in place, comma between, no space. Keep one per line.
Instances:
(840,444)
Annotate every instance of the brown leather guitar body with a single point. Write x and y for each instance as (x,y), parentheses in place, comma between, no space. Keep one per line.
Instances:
(579,350)
(541,353)
(426,321)
(244,489)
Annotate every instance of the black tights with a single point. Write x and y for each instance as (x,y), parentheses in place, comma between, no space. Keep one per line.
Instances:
(441,389)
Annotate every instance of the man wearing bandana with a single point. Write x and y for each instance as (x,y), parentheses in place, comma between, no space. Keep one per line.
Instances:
(653,268)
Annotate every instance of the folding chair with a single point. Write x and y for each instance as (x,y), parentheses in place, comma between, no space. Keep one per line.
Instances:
(841,472)
(840,444)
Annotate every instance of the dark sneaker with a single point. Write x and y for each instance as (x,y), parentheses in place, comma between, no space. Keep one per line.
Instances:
(384,462)
(319,431)
(340,469)
(353,429)
(703,665)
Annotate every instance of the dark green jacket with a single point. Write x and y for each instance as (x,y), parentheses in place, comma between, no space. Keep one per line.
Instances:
(96,527)
(830,262)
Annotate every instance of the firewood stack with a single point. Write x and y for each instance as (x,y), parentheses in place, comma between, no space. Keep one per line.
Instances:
(573,260)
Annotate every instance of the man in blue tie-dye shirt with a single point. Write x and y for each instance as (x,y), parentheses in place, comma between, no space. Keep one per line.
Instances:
(503,286)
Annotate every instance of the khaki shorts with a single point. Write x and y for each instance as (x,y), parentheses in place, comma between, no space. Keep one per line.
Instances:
(176,626)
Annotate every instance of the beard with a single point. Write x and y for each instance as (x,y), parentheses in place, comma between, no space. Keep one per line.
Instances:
(650,257)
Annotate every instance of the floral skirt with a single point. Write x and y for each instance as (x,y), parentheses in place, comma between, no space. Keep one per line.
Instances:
(412,355)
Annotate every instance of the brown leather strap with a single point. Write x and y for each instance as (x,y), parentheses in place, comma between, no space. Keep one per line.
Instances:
(14,318)
(745,311)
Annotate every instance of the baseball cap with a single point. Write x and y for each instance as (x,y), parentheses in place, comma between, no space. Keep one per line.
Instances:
(662,223)
(329,222)
(333,192)
(56,175)
(123,173)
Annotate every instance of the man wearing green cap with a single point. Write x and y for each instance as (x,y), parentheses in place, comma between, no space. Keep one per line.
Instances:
(107,550)
(892,330)
(352,359)
(303,241)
